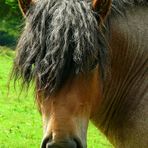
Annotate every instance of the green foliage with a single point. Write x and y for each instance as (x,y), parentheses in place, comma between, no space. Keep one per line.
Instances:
(20,122)
(12,3)
(10,22)
(9,8)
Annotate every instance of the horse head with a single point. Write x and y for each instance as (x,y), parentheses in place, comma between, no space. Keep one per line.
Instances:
(63,50)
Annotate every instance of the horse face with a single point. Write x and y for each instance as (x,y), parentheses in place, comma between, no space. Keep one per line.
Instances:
(66,113)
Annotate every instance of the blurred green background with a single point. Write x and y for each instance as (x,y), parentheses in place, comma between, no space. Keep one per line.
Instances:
(10,22)
(20,122)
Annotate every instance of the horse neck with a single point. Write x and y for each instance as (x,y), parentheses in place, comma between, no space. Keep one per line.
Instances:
(128,43)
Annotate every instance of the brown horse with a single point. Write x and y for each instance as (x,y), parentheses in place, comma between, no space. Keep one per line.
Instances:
(89,59)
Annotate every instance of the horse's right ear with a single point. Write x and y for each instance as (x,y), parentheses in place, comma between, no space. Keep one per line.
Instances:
(25,5)
(101,7)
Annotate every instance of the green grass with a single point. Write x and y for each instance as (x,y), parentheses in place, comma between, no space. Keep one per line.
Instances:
(20,122)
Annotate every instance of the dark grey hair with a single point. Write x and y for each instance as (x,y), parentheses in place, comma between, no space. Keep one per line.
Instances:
(61,39)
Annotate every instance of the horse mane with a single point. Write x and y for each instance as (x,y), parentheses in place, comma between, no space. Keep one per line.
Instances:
(122,3)
(120,6)
(61,39)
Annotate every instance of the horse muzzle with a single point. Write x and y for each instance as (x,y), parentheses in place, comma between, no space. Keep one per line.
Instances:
(68,143)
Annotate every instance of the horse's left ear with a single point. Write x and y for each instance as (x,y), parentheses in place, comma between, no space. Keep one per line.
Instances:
(102,7)
(25,5)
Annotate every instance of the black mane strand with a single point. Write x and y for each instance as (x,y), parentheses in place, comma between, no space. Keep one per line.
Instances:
(61,39)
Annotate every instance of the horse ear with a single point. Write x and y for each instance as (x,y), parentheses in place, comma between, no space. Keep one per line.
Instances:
(24,5)
(102,7)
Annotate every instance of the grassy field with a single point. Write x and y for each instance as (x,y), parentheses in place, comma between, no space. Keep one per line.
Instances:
(20,122)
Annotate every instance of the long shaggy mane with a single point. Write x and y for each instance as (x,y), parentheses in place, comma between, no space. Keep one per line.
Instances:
(120,6)
(61,39)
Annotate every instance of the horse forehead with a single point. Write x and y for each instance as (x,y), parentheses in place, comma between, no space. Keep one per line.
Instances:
(78,87)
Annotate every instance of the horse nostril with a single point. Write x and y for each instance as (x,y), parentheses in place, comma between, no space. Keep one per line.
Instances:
(70,143)
(45,141)
(78,143)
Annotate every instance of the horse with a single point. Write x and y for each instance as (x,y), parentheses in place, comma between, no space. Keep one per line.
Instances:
(88,60)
